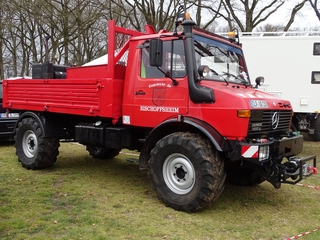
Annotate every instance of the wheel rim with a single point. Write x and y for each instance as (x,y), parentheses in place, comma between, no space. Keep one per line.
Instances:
(30,144)
(178,173)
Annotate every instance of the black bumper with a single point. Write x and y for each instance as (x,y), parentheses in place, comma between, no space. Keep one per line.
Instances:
(276,149)
(287,147)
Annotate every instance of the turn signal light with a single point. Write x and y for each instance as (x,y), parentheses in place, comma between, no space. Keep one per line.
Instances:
(244,113)
(232,35)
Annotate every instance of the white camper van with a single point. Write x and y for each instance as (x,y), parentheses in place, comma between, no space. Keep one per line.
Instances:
(290,65)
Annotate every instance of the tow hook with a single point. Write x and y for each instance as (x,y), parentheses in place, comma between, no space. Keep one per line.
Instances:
(312,170)
(298,168)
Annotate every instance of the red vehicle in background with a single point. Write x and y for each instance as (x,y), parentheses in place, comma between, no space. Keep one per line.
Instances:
(7,121)
(184,100)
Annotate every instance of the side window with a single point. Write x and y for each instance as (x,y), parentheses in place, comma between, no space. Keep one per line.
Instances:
(316,48)
(144,62)
(173,62)
(315,77)
(146,71)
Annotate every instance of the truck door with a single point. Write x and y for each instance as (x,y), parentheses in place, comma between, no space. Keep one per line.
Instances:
(156,96)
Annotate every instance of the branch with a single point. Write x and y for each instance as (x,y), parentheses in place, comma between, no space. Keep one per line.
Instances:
(296,9)
(315,8)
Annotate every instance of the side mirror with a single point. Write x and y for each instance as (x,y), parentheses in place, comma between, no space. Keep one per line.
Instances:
(259,81)
(155,55)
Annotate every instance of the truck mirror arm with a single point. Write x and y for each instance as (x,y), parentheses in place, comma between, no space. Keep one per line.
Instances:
(174,82)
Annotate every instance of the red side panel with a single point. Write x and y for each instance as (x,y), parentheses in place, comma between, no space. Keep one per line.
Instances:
(98,71)
(89,97)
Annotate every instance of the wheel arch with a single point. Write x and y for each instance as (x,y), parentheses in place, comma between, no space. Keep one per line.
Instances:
(47,124)
(175,125)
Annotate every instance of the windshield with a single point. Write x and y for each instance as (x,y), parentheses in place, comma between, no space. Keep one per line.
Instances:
(225,61)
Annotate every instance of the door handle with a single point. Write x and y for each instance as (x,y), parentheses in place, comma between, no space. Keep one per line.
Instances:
(140,93)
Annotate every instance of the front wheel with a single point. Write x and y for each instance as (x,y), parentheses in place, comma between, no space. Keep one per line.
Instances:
(186,171)
(34,151)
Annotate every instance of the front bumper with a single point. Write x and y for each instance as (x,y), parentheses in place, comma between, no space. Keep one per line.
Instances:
(264,150)
(276,160)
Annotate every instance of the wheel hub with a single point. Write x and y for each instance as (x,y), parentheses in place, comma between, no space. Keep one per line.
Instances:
(30,144)
(179,173)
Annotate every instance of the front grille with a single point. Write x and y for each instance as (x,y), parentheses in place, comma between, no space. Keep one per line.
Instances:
(268,122)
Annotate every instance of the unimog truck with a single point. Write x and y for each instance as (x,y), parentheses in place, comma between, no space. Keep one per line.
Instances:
(183,99)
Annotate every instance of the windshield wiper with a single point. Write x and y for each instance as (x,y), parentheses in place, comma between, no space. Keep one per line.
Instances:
(239,78)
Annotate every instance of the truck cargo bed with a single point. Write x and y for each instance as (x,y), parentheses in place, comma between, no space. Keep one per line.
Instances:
(70,96)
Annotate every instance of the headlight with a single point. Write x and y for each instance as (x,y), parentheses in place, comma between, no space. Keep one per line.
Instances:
(203,70)
(263,152)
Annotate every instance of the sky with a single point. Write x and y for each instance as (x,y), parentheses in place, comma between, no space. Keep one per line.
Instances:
(306,18)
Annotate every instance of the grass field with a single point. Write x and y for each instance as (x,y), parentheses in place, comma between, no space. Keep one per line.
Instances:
(84,198)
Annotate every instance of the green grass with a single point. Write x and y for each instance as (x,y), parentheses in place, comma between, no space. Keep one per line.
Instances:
(84,198)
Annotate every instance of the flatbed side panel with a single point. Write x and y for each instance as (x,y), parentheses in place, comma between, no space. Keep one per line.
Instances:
(75,96)
(98,71)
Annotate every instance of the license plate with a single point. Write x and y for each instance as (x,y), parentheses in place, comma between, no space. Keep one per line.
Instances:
(9,115)
(258,104)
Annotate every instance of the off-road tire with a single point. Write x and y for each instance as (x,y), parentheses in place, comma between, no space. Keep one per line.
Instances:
(33,150)
(102,152)
(186,171)
(241,176)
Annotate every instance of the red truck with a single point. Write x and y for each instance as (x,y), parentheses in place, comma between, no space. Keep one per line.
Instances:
(183,99)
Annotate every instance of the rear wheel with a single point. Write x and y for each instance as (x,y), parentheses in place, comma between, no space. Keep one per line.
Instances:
(102,152)
(186,171)
(33,150)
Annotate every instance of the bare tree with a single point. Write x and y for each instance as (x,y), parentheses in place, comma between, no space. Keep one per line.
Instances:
(76,29)
(207,8)
(314,5)
(270,28)
(294,11)
(64,22)
(3,12)
(158,13)
(247,15)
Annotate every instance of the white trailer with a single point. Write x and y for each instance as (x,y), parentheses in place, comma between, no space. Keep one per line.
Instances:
(290,65)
